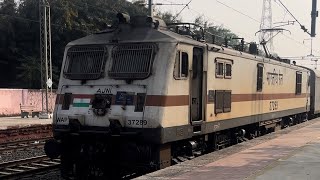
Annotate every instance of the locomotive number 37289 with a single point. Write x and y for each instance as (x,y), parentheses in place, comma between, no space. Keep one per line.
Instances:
(140,122)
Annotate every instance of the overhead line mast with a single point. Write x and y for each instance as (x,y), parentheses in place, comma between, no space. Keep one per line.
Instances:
(266,23)
(150,8)
(314,15)
(45,55)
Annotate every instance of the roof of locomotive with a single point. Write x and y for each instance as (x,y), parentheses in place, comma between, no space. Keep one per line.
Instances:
(135,35)
(131,34)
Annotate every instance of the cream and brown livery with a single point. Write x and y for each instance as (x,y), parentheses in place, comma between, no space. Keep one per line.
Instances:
(140,95)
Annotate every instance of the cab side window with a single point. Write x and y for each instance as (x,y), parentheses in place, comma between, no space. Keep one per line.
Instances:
(181,66)
(224,68)
(228,73)
(219,69)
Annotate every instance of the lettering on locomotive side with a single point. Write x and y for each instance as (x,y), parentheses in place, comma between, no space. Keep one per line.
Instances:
(104,91)
(274,78)
(62,119)
(273,105)
(141,122)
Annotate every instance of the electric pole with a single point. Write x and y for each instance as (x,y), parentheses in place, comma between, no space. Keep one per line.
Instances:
(45,55)
(150,8)
(314,15)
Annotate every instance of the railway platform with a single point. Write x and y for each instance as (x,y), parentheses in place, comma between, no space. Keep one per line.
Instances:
(17,129)
(18,122)
(287,154)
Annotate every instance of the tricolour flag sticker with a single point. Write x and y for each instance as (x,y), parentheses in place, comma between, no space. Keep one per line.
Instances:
(81,102)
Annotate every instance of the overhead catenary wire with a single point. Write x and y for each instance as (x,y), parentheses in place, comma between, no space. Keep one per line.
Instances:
(301,26)
(222,24)
(182,10)
(298,42)
(259,22)
(238,11)
(285,12)
(209,32)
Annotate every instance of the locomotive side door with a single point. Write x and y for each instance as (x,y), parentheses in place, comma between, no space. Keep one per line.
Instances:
(196,87)
(259,94)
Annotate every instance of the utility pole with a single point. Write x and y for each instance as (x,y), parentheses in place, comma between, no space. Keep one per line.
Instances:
(45,55)
(314,15)
(150,8)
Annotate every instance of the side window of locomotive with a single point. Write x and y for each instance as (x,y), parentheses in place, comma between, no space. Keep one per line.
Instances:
(184,65)
(181,65)
(228,73)
(223,68)
(298,82)
(219,69)
(260,77)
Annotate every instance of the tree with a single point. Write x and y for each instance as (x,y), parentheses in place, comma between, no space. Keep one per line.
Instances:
(167,17)
(70,20)
(217,34)
(30,74)
(8,47)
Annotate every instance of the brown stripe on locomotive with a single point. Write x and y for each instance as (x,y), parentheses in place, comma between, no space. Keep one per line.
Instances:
(183,100)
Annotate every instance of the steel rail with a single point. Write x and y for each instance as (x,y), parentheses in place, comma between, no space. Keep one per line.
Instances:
(22,145)
(20,168)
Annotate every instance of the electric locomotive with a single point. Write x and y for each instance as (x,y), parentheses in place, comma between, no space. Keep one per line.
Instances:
(142,95)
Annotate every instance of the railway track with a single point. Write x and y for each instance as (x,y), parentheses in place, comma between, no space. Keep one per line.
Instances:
(10,147)
(24,167)
(17,133)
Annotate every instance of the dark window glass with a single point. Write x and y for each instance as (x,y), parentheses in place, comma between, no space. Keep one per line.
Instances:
(181,66)
(298,82)
(260,77)
(219,69)
(228,70)
(184,64)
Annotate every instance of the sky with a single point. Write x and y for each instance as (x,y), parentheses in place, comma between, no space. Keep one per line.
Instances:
(243,17)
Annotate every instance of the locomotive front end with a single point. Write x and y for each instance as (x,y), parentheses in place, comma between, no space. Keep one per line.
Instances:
(103,121)
(99,91)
